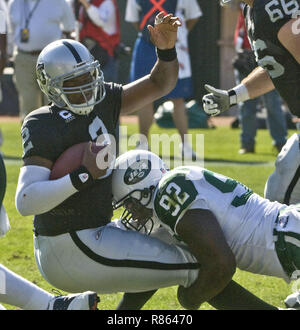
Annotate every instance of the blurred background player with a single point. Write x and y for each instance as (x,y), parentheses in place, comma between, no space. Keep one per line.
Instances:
(34,24)
(100,33)
(273,34)
(141,13)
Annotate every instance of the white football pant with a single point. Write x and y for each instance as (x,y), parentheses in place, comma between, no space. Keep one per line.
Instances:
(109,259)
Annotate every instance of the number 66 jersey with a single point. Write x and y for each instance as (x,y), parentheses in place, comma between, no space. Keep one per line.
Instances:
(246,219)
(264,20)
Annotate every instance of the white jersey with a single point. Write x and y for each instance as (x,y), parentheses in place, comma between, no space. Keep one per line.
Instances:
(247,220)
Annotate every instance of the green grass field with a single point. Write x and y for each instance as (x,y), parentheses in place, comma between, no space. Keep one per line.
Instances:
(221,155)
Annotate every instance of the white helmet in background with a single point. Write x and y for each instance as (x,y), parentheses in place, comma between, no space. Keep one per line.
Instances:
(59,63)
(135,177)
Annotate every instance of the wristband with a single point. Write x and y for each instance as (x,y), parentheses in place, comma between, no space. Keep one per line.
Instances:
(232,97)
(81,178)
(241,93)
(166,55)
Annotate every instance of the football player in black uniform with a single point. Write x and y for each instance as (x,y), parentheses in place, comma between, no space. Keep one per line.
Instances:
(76,244)
(274,34)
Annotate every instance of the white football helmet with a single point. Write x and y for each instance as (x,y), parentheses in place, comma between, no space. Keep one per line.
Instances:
(135,177)
(63,60)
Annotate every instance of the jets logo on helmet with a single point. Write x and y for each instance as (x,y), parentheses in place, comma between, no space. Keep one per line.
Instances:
(135,178)
(137,172)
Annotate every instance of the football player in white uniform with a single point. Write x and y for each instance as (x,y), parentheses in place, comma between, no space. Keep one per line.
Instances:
(222,221)
(283,186)
(17,291)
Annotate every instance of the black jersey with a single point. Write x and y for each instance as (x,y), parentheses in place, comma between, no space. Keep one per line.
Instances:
(263,23)
(48,132)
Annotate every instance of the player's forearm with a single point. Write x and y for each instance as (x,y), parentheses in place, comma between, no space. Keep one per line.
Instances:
(36,194)
(164,76)
(258,83)
(160,82)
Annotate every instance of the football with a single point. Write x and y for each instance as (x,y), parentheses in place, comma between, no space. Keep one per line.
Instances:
(71,159)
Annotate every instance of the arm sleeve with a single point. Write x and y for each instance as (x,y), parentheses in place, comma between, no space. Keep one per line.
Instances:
(36,194)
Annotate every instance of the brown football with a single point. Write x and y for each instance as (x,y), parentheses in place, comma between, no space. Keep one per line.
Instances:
(71,159)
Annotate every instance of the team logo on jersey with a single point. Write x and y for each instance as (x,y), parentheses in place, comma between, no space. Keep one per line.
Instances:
(83,177)
(137,171)
(66,115)
(283,221)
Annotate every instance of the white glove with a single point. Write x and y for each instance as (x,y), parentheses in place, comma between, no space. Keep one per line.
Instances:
(218,100)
